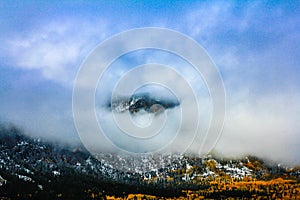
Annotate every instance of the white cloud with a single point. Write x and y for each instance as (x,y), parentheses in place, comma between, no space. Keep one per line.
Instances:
(259,63)
(207,17)
(259,66)
(57,48)
(266,126)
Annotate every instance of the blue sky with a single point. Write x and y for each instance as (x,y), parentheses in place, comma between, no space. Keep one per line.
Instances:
(255,45)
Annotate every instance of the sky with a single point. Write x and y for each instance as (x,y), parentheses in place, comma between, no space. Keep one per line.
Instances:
(254,44)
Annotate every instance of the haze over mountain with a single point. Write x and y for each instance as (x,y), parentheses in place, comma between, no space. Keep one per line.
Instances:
(255,45)
(35,169)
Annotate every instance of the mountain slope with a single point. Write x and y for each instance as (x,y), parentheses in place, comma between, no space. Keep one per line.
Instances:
(30,168)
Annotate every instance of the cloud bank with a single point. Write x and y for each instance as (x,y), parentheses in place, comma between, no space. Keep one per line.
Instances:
(254,45)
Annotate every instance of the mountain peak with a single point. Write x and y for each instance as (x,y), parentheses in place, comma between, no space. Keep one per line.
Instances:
(142,101)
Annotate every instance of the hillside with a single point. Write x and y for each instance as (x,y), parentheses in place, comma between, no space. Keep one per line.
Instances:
(35,169)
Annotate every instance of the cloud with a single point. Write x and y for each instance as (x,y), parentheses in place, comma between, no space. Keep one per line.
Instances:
(175,81)
(266,126)
(254,45)
(260,66)
(56,48)
(207,17)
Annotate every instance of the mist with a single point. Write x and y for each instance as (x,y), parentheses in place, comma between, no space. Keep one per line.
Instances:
(42,53)
(266,126)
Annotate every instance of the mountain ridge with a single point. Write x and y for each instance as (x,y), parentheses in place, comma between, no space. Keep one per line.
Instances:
(32,168)
(141,101)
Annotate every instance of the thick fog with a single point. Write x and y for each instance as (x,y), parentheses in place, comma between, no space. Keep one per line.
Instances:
(255,47)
